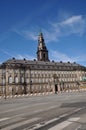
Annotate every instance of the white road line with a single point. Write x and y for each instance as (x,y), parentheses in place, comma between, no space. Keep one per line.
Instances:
(50,121)
(56,119)
(20,124)
(64,115)
(16,116)
(43,124)
(64,124)
(78,109)
(10,120)
(3,119)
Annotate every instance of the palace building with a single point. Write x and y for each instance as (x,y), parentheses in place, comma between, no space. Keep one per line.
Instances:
(39,76)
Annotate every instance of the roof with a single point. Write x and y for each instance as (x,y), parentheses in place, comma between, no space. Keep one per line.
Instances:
(50,65)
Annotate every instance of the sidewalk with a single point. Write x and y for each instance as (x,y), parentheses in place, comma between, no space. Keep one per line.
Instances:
(40,94)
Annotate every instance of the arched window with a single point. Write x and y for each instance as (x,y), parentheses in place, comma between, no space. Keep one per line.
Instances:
(16,79)
(3,81)
(10,80)
(22,79)
(27,80)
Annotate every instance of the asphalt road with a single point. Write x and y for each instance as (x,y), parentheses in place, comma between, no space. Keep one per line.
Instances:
(64,111)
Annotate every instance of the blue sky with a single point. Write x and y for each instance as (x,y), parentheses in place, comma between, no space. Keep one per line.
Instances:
(62,22)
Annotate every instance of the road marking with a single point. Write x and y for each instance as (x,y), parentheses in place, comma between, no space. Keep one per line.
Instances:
(78,109)
(50,121)
(43,124)
(3,119)
(20,124)
(64,124)
(56,119)
(64,115)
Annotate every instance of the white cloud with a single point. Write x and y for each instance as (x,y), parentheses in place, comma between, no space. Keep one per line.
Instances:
(58,56)
(72,20)
(17,56)
(30,35)
(50,36)
(75,24)
(28,57)
(6,52)
(71,25)
(80,58)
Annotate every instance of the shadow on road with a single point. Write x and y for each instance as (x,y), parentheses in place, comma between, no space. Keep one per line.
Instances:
(76,104)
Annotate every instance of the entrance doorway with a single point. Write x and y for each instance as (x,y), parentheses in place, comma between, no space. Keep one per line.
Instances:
(56,88)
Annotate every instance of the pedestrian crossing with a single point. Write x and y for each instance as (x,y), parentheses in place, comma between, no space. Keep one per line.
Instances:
(58,126)
(64,124)
(3,119)
(20,124)
(9,124)
(24,124)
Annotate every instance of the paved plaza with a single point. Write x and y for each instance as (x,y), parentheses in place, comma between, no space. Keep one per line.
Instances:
(61,111)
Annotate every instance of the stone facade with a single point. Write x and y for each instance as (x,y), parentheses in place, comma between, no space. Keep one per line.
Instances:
(39,76)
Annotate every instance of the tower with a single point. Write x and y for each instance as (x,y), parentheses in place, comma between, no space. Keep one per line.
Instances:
(42,52)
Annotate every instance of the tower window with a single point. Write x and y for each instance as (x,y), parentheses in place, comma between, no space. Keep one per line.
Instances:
(44,56)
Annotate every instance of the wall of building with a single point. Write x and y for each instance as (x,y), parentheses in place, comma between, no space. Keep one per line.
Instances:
(20,81)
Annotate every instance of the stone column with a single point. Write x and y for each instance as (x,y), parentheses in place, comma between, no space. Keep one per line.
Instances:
(58,87)
(6,85)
